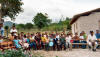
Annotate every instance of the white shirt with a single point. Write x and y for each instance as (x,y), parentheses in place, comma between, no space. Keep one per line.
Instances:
(13,30)
(68,39)
(81,37)
(91,38)
(33,37)
(45,35)
(58,37)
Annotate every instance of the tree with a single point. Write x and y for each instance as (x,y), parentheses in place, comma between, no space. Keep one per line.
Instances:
(28,25)
(41,20)
(10,8)
(20,26)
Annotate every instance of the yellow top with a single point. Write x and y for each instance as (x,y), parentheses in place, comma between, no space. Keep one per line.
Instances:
(43,39)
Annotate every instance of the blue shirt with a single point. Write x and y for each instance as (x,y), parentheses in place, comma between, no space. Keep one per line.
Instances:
(97,35)
(28,41)
(51,42)
(16,43)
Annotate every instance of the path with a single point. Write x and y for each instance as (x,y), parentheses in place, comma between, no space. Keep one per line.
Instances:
(73,53)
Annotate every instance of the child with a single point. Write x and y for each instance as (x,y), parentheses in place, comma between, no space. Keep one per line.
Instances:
(20,40)
(51,44)
(1,40)
(82,40)
(38,40)
(25,44)
(68,39)
(55,46)
(32,42)
(63,41)
(76,40)
(59,43)
(11,36)
(16,42)
(47,44)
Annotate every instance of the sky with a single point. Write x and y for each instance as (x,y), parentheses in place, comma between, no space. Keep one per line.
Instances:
(56,9)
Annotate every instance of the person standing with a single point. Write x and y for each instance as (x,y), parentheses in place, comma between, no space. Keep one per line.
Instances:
(2,29)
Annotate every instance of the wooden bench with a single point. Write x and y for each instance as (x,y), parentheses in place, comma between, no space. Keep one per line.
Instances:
(6,45)
(71,45)
(11,45)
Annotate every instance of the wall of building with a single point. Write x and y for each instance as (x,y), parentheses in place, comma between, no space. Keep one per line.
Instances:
(87,23)
(75,27)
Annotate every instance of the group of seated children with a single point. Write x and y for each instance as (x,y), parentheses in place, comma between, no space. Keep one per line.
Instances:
(53,41)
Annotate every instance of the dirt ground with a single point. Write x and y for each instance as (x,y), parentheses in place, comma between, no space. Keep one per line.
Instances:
(67,53)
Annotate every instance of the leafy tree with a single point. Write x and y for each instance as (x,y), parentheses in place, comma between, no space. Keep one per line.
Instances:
(41,20)
(61,25)
(10,8)
(20,26)
(68,20)
(28,25)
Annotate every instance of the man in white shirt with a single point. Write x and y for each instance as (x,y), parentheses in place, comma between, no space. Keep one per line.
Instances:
(92,41)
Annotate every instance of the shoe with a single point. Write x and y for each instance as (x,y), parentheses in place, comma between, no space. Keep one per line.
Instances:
(94,50)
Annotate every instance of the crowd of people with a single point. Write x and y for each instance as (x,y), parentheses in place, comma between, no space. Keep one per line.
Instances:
(53,40)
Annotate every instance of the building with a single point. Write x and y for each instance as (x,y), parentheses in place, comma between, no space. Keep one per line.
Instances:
(86,21)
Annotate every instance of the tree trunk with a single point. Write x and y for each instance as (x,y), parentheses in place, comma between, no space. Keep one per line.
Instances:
(0,13)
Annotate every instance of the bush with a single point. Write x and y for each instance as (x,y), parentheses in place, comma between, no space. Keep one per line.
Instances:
(13,53)
(18,53)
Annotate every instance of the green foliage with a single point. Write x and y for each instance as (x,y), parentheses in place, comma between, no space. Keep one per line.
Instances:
(11,8)
(20,26)
(60,26)
(41,20)
(28,25)
(13,53)
(19,53)
(24,26)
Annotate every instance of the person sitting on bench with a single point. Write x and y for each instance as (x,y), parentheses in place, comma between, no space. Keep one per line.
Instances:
(82,40)
(92,41)
(76,40)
